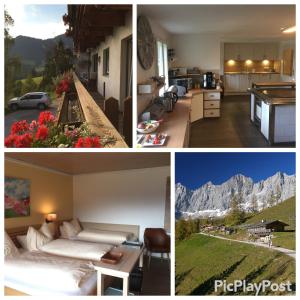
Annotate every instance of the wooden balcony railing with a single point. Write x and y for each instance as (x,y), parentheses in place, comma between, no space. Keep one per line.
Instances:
(97,122)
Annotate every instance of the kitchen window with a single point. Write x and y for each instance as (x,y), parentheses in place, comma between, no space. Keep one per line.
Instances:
(162,64)
(106,61)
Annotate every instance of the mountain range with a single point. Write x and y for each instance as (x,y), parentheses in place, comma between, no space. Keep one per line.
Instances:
(32,51)
(212,200)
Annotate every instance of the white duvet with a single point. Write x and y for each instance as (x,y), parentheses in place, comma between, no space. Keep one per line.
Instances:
(76,249)
(38,269)
(103,236)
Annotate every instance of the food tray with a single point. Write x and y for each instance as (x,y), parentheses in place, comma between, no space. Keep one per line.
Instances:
(150,143)
(111,257)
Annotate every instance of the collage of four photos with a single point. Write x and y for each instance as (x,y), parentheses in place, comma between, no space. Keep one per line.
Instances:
(135,211)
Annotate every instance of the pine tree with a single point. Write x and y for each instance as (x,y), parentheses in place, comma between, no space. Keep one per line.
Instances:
(236,214)
(12,64)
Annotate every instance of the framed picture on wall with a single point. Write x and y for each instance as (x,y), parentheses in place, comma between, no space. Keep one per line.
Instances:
(17,197)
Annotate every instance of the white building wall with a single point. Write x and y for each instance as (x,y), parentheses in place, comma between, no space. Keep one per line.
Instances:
(113,42)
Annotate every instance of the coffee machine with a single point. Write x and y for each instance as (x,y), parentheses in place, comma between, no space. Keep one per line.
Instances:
(209,80)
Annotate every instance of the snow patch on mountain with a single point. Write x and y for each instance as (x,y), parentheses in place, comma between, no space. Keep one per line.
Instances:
(212,200)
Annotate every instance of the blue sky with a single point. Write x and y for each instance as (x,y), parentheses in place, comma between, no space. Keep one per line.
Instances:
(195,169)
(39,21)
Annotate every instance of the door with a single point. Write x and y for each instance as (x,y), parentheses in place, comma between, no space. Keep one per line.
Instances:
(126,70)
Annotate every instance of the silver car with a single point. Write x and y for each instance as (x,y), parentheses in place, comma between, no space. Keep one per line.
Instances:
(38,100)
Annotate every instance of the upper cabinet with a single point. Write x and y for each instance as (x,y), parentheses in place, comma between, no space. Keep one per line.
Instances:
(231,51)
(252,51)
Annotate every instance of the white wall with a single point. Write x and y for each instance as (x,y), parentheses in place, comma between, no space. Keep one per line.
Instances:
(135,197)
(285,45)
(197,50)
(145,75)
(112,82)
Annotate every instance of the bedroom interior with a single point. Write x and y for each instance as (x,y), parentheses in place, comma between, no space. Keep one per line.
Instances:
(104,218)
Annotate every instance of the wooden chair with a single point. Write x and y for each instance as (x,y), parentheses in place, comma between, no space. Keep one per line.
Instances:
(111,110)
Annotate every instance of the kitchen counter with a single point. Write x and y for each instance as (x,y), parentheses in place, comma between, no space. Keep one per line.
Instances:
(275,96)
(273,111)
(176,124)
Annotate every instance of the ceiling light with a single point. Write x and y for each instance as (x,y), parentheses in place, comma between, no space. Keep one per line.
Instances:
(231,62)
(265,62)
(289,29)
(248,62)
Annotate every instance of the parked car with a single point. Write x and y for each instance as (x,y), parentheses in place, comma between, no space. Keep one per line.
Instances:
(38,100)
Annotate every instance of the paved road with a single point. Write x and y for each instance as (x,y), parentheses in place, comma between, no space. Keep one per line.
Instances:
(23,114)
(288,252)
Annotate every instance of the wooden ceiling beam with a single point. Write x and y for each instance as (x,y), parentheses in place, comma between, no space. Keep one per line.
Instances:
(104,19)
(97,30)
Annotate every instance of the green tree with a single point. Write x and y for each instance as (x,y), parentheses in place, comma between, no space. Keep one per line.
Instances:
(236,214)
(18,88)
(181,231)
(58,61)
(12,64)
(29,85)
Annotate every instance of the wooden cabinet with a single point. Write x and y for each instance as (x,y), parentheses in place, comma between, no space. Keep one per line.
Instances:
(231,51)
(252,51)
(232,82)
(271,51)
(245,51)
(212,104)
(244,82)
(197,107)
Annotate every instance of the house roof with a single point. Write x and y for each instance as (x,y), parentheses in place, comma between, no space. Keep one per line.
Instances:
(90,24)
(265,223)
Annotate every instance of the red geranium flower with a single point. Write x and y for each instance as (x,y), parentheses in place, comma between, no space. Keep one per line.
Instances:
(46,117)
(23,141)
(88,142)
(10,140)
(19,127)
(42,133)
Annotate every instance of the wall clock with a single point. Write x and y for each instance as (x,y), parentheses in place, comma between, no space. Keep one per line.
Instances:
(145,43)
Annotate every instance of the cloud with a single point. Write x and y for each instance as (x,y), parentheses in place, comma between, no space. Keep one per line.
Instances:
(24,23)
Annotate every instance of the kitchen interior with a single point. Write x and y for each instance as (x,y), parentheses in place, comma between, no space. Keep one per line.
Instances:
(216,76)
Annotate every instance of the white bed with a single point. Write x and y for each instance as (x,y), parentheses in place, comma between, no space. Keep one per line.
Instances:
(39,273)
(76,249)
(103,236)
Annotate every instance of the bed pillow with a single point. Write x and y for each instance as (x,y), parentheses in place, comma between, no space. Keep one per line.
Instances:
(10,249)
(35,239)
(76,225)
(62,232)
(48,229)
(69,229)
(22,239)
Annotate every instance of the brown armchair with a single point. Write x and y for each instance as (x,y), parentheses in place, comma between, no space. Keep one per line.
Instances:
(156,241)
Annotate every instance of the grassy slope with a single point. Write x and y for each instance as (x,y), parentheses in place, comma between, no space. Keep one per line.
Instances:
(201,259)
(285,212)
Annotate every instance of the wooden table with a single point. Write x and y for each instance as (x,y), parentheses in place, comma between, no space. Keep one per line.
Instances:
(121,270)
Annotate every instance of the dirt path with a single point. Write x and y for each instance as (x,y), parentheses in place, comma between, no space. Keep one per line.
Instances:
(288,252)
